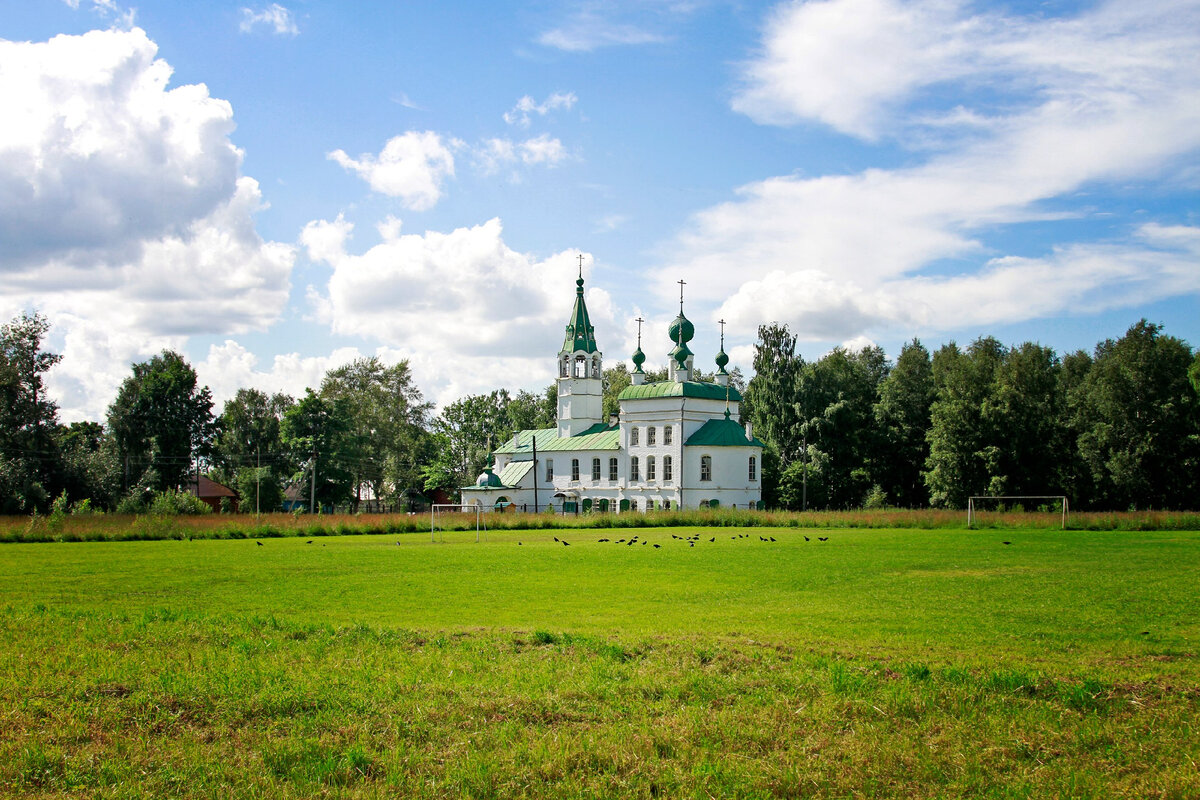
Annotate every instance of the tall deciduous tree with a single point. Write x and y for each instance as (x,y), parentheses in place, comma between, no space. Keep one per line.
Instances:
(29,458)
(389,417)
(317,432)
(902,414)
(961,444)
(161,421)
(1139,420)
(1024,414)
(771,394)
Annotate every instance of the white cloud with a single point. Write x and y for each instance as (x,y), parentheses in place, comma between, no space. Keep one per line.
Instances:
(1110,95)
(122,17)
(520,113)
(411,166)
(493,154)
(122,211)
(229,366)
(589,31)
(462,306)
(275,17)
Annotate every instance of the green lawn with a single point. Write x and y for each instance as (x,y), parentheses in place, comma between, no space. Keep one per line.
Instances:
(878,663)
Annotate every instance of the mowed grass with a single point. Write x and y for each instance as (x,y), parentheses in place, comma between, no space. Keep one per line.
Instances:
(907,663)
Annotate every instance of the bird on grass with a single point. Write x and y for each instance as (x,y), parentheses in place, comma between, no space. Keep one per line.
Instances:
(1006,543)
(761,539)
(565,543)
(657,546)
(518,544)
(772,538)
(713,539)
(691,544)
(822,538)
(259,544)
(602,540)
(807,539)
(309,541)
(556,538)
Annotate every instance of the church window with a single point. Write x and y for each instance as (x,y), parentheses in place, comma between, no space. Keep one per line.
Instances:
(667,467)
(649,505)
(595,470)
(666,505)
(549,469)
(651,434)
(667,435)
(596,368)
(753,468)
(650,468)
(580,367)
(706,468)
(634,472)
(633,437)
(612,470)
(574,469)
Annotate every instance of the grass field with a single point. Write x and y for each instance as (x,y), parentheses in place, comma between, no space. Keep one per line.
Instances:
(914,663)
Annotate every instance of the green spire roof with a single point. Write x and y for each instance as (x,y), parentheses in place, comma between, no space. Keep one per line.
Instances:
(580,333)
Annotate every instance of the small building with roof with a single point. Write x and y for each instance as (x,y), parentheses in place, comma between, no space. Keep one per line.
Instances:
(676,443)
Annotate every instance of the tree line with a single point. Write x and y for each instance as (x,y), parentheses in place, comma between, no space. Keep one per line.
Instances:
(1117,428)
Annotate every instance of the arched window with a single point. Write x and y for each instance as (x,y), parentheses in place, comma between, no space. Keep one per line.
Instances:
(612,470)
(706,468)
(650,468)
(753,472)
(596,367)
(574,469)
(634,472)
(633,437)
(650,435)
(668,468)
(595,470)
(667,435)
(580,367)
(549,469)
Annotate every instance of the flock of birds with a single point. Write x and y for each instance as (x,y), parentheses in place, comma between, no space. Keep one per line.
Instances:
(691,540)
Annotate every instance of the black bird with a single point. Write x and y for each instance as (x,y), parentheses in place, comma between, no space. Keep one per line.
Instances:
(822,538)
(259,544)
(658,545)
(1006,543)
(807,539)
(732,537)
(309,541)
(565,543)
(691,544)
(620,541)
(713,539)
(630,543)
(761,539)
(556,538)
(518,544)
(602,540)
(772,538)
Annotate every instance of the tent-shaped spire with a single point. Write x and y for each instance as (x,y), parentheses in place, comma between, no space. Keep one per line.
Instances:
(581,336)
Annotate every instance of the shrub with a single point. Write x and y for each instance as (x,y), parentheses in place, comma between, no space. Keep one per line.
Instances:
(173,503)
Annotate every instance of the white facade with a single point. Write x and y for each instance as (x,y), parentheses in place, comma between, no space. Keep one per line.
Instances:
(675,443)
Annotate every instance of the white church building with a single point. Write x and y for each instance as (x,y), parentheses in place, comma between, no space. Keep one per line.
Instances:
(676,443)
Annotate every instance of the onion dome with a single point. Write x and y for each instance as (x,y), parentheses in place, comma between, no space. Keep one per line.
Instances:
(681,354)
(682,330)
(722,360)
(638,359)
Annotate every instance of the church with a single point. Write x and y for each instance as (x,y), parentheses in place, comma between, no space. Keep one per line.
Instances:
(675,443)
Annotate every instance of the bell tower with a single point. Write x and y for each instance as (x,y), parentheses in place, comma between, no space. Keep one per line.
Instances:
(580,371)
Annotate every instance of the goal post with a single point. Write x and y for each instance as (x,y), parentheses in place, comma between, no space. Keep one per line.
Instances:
(1061,498)
(437,509)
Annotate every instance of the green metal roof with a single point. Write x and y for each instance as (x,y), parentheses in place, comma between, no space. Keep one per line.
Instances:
(597,437)
(514,471)
(707,391)
(580,333)
(721,433)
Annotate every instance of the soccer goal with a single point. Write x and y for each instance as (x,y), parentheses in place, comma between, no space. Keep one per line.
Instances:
(437,510)
(992,502)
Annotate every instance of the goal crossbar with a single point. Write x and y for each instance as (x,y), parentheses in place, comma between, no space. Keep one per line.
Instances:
(1066,505)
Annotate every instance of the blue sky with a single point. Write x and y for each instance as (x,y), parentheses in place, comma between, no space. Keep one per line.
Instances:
(275,189)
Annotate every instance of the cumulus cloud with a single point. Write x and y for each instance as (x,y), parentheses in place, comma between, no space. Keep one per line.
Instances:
(122,211)
(122,17)
(1111,94)
(411,166)
(494,154)
(527,106)
(462,306)
(274,17)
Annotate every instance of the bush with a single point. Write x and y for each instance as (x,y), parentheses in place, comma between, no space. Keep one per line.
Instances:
(172,503)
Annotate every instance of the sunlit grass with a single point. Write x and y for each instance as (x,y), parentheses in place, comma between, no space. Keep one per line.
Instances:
(907,663)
